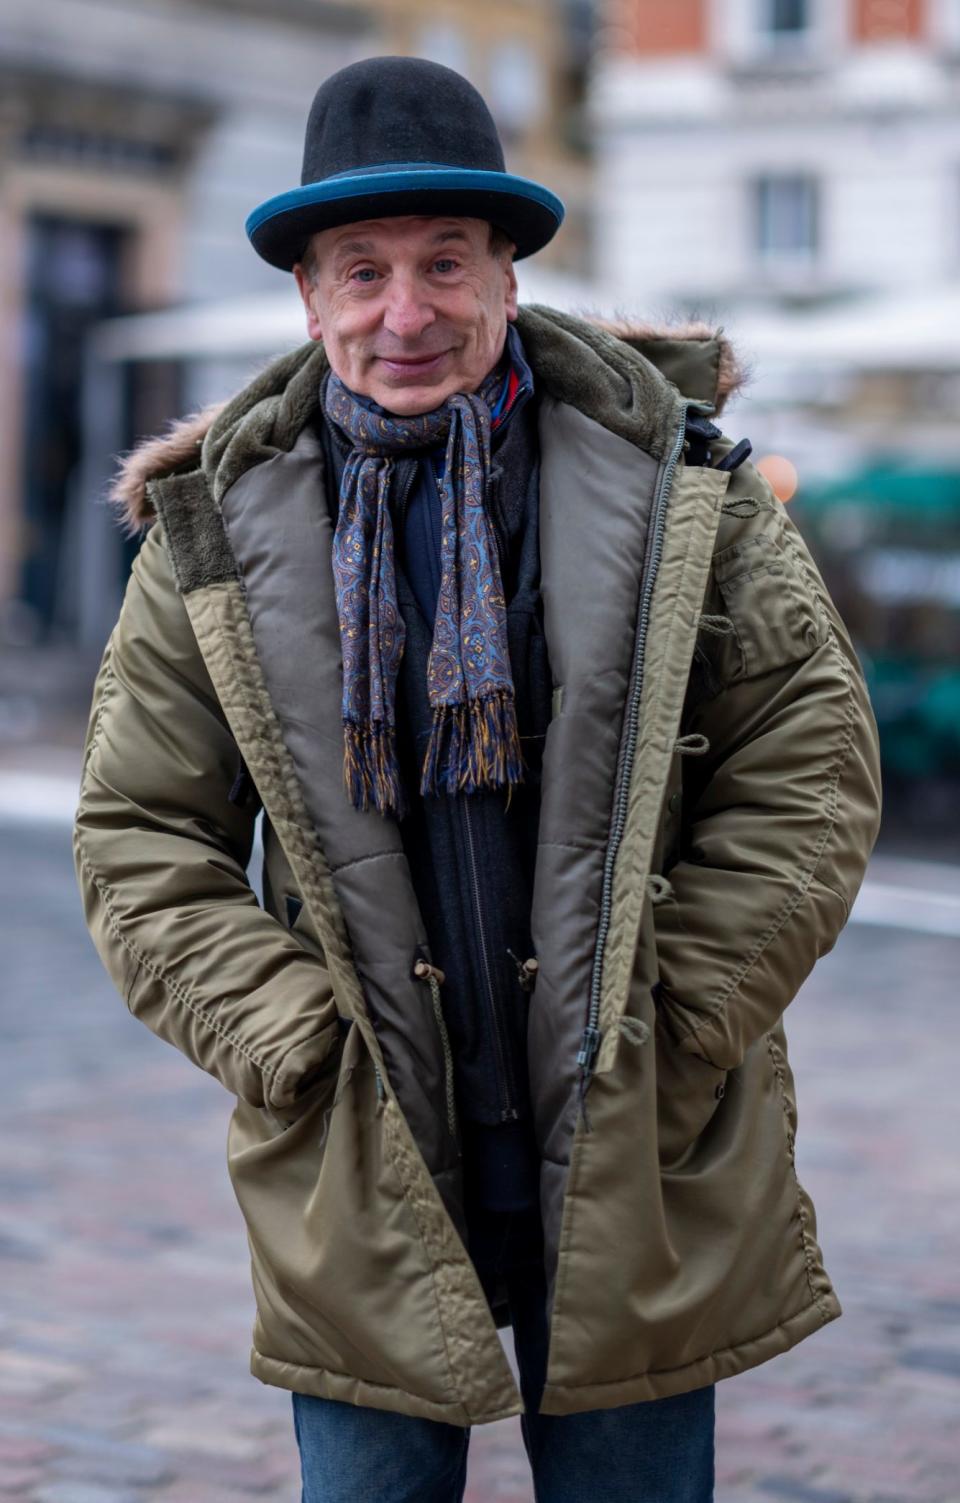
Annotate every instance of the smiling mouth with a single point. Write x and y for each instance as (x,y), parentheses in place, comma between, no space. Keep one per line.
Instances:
(412,365)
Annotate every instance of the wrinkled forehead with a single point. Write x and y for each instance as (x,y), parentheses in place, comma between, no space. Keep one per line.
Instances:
(368,236)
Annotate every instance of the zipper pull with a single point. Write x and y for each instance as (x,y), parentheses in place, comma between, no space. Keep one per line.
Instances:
(589,1048)
(526,971)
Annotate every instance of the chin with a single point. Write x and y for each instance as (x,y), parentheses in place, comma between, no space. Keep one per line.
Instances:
(412,401)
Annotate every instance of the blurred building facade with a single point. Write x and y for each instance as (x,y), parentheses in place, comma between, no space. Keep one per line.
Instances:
(776,150)
(791,168)
(135,138)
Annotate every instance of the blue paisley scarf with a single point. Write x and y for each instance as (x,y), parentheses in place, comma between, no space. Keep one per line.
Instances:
(474,741)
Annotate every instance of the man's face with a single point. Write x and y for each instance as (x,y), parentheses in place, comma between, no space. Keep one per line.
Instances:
(411,309)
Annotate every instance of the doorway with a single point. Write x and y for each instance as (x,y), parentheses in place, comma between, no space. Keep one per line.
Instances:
(73,278)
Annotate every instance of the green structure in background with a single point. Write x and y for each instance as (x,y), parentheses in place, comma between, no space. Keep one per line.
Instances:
(888,541)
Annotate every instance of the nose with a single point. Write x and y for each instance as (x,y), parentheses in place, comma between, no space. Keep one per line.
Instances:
(408,311)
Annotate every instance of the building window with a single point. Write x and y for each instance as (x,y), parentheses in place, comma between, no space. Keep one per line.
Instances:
(787,18)
(786,218)
(444,42)
(73,279)
(948,29)
(76,148)
(515,87)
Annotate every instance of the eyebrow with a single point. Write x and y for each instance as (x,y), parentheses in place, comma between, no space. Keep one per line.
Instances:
(354,248)
(367,248)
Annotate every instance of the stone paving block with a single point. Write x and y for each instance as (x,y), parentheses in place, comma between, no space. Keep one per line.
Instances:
(18,1448)
(791,1489)
(112,1467)
(81,1492)
(932,1359)
(254,1477)
(21,1372)
(17,1481)
(84,1440)
(209,1492)
(497,1466)
(219,1442)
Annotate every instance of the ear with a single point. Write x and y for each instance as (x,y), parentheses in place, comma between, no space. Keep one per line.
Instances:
(308,293)
(511,290)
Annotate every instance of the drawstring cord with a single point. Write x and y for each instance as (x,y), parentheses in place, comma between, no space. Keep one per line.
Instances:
(694,745)
(433,975)
(718,626)
(659,888)
(634,1030)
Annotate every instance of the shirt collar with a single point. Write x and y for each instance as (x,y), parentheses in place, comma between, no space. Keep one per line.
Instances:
(517,382)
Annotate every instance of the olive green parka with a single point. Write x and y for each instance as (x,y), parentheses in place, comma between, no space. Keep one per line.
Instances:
(710,796)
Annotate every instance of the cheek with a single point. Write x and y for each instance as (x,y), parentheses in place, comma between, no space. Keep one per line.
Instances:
(474,313)
(344,321)
(343,339)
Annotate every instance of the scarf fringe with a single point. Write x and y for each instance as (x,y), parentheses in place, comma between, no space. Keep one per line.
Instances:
(473,745)
(370,770)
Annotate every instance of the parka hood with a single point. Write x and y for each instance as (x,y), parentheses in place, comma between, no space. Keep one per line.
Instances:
(692,358)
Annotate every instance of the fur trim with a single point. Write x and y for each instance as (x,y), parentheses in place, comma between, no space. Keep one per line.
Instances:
(179,447)
(733,373)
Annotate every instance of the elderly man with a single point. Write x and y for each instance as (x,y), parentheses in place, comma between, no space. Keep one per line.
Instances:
(568,776)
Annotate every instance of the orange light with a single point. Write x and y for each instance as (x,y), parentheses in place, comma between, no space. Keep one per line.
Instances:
(780,474)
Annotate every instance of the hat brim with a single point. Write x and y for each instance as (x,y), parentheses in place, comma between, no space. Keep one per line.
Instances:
(280,228)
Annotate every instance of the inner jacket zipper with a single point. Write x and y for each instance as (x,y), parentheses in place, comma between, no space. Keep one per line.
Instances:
(590,1039)
(508,1093)
(505,1081)
(403,491)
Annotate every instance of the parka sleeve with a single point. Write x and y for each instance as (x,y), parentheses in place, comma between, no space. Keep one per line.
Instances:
(161,856)
(782,808)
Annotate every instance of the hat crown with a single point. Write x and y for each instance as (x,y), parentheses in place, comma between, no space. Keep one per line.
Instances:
(398,110)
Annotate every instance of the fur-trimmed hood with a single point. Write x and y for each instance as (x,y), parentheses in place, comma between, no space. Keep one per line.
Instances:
(698,359)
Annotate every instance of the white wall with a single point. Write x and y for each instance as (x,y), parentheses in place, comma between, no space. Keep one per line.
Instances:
(679,145)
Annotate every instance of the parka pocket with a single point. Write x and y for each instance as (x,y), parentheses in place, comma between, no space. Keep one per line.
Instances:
(689,1092)
(298,920)
(776,615)
(317,1088)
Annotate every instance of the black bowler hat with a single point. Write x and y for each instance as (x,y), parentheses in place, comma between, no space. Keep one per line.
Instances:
(400,135)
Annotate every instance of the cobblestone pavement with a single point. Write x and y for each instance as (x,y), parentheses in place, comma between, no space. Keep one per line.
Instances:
(125,1303)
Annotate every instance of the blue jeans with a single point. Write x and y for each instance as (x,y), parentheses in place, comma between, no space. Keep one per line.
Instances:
(659,1451)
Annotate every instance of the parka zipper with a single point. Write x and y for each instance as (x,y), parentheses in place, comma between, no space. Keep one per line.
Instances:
(403,492)
(508,1092)
(590,1039)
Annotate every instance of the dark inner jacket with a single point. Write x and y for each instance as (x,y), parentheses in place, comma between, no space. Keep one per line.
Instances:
(472,856)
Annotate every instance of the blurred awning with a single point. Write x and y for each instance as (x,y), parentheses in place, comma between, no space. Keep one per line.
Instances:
(910,331)
(927,492)
(916,330)
(269,323)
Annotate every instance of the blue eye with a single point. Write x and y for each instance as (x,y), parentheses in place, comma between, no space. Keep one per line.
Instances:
(365,274)
(444,262)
